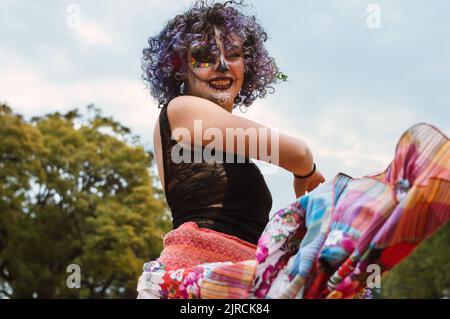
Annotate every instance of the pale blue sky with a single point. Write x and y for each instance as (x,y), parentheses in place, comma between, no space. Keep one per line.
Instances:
(352,90)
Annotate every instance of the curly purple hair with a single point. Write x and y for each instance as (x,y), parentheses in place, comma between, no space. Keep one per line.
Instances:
(164,61)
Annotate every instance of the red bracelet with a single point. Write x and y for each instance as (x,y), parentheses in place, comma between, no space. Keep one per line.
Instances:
(309,174)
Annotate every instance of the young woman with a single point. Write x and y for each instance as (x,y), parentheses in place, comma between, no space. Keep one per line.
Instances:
(200,67)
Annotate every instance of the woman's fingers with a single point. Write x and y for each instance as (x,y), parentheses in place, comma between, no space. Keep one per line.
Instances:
(312,186)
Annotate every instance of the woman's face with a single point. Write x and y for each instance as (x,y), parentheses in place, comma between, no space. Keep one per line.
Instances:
(216,73)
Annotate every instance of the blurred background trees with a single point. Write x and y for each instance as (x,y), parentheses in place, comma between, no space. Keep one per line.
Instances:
(75,191)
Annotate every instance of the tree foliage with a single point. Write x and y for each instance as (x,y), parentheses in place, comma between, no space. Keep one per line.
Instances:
(75,191)
(423,274)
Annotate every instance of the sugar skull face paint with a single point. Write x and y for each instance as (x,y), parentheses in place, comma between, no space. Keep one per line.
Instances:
(202,56)
(216,72)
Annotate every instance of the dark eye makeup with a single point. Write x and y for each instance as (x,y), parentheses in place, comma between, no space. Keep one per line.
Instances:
(205,55)
(234,55)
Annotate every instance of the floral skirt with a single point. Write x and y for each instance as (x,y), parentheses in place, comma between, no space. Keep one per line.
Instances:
(334,242)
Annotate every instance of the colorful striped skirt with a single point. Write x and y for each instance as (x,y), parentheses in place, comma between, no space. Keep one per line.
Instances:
(331,243)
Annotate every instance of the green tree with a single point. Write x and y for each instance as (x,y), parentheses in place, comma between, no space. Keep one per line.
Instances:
(75,191)
(423,274)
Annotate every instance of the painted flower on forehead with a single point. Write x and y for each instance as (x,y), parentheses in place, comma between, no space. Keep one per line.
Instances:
(165,62)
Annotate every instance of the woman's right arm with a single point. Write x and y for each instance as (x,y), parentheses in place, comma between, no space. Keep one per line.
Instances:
(294,154)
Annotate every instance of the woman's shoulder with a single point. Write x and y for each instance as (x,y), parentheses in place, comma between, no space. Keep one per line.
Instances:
(187,99)
(185,105)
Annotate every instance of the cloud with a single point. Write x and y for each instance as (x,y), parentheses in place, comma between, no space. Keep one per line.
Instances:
(28,91)
(93,33)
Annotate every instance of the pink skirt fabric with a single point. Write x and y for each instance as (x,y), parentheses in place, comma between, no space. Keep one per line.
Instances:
(190,245)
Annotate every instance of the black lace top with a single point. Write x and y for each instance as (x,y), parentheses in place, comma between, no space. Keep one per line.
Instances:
(229,197)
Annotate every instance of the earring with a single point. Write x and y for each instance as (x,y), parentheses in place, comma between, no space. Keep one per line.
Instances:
(245,108)
(182,88)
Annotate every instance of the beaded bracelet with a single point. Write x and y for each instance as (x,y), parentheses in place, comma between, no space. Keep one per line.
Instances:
(309,175)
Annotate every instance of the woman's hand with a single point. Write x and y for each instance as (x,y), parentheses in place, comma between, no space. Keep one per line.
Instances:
(303,185)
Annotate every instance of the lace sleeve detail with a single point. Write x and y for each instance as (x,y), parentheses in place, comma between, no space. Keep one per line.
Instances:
(187,183)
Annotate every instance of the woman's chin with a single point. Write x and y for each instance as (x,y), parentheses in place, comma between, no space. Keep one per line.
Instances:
(222,99)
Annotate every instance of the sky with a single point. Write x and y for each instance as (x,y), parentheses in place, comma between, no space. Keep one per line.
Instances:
(359,72)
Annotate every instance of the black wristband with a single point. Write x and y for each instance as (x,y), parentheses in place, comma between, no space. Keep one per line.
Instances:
(309,174)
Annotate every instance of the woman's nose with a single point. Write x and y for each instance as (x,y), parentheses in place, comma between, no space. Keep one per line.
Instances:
(223,66)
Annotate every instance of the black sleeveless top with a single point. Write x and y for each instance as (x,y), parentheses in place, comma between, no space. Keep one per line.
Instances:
(229,197)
